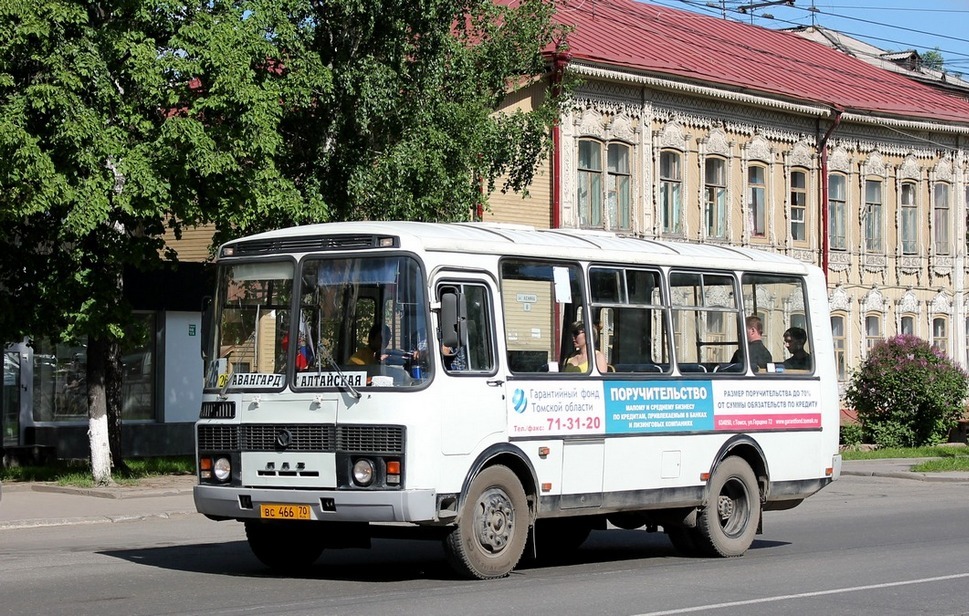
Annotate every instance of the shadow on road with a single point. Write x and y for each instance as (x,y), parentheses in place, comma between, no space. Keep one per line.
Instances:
(394,560)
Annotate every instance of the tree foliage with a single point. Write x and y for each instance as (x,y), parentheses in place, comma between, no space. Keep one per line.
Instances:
(907,393)
(933,59)
(124,121)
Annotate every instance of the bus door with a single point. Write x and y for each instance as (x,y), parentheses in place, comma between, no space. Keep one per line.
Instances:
(468,386)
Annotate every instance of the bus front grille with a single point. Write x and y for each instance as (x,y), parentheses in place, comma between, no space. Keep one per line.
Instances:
(302,437)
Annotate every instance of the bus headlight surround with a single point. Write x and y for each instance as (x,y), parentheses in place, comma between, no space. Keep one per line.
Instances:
(222,469)
(363,472)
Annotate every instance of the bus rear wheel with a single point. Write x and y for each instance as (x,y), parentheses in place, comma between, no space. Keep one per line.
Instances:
(490,537)
(727,525)
(285,546)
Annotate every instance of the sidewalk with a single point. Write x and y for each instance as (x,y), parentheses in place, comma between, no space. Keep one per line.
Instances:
(32,505)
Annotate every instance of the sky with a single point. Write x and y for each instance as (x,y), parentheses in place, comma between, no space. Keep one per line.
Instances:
(893,25)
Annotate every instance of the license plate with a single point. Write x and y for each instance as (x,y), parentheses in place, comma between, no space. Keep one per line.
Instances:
(285,512)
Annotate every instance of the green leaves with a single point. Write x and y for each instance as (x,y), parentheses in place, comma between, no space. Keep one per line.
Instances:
(121,120)
(907,393)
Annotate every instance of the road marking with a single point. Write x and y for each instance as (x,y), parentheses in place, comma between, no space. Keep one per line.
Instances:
(818,593)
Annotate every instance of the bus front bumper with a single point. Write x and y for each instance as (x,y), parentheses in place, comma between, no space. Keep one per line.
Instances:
(231,502)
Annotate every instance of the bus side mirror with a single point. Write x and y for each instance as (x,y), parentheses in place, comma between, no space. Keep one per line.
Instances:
(453,316)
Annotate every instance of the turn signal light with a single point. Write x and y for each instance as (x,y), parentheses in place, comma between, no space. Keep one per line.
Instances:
(205,468)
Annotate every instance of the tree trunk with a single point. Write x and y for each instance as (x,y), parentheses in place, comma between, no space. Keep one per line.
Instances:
(97,353)
(112,383)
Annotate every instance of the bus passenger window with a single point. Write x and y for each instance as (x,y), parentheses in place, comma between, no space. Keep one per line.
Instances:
(778,303)
(541,299)
(706,330)
(630,316)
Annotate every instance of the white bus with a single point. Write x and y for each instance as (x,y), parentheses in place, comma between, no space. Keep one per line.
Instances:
(374,376)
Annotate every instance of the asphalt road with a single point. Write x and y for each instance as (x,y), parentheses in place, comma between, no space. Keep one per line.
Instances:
(863,546)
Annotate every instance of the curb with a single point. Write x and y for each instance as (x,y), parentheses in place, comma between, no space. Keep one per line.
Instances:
(49,522)
(929,477)
(112,492)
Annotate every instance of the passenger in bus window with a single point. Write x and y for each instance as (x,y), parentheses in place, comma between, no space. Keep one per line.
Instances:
(375,350)
(579,360)
(759,355)
(794,339)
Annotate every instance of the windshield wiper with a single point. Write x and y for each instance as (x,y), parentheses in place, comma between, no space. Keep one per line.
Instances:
(325,352)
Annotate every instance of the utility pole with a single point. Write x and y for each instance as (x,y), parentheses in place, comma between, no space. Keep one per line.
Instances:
(723,7)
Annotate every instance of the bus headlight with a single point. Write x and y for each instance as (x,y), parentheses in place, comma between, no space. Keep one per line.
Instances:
(222,469)
(363,472)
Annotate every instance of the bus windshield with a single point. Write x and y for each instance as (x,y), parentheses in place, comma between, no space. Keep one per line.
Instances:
(360,320)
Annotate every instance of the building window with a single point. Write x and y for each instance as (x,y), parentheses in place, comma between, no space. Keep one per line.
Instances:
(910,220)
(757,199)
(873,330)
(671,191)
(837,212)
(589,190)
(617,186)
(798,206)
(873,216)
(838,337)
(940,337)
(907,326)
(715,198)
(940,219)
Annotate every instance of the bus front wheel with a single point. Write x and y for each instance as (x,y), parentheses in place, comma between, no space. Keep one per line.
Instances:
(490,536)
(727,525)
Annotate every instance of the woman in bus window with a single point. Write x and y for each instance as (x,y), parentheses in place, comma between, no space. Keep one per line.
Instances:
(579,360)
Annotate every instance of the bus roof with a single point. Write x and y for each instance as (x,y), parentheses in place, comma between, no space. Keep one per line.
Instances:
(512,239)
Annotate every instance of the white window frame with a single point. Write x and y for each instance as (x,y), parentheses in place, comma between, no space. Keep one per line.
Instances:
(909,218)
(671,192)
(874,216)
(941,219)
(757,207)
(588,191)
(618,186)
(799,205)
(715,197)
(837,212)
(839,340)
(940,333)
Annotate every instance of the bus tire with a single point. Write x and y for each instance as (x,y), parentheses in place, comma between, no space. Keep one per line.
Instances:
(285,546)
(489,539)
(727,525)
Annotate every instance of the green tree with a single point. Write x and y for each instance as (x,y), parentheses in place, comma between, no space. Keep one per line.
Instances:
(907,393)
(121,121)
(933,59)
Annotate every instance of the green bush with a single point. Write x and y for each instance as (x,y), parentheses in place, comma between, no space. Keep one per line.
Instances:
(851,434)
(907,393)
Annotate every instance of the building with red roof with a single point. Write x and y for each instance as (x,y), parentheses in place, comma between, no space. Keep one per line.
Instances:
(688,127)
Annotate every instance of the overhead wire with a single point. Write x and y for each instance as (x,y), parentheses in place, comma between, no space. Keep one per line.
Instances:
(954,57)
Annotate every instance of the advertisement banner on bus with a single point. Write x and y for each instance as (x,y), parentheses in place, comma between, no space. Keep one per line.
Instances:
(634,407)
